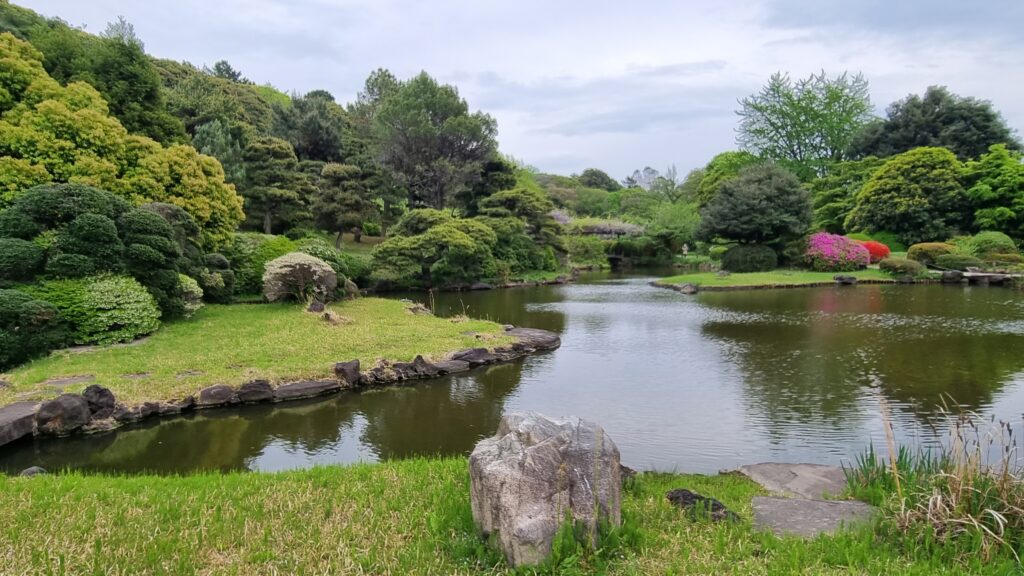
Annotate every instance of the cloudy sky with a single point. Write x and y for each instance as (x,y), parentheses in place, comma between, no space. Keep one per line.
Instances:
(573,84)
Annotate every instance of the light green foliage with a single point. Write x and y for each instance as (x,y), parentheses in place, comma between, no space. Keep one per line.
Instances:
(763,204)
(902,267)
(198,98)
(249,256)
(442,255)
(587,251)
(927,252)
(496,175)
(916,195)
(419,221)
(995,188)
(277,195)
(720,169)
(272,95)
(834,193)
(102,309)
(983,244)
(530,206)
(957,262)
(300,277)
(675,225)
(191,295)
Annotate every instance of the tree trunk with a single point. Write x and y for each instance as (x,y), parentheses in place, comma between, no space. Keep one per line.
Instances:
(266,222)
(357,234)
(337,240)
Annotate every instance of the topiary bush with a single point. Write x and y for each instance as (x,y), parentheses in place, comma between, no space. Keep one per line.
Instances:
(985,243)
(927,252)
(298,276)
(19,259)
(834,253)
(191,295)
(876,250)
(717,250)
(902,267)
(957,262)
(249,255)
(749,258)
(28,328)
(217,279)
(102,309)
(996,258)
(95,237)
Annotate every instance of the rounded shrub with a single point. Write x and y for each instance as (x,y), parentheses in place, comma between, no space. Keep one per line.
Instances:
(298,276)
(70,266)
(249,255)
(371,228)
(985,243)
(19,259)
(28,328)
(217,279)
(834,253)
(191,295)
(901,267)
(958,262)
(997,258)
(94,236)
(927,252)
(876,250)
(749,258)
(102,309)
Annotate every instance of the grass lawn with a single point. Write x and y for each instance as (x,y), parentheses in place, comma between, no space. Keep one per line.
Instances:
(233,344)
(779,277)
(401,517)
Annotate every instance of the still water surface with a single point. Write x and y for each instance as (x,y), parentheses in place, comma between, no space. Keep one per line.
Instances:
(689,383)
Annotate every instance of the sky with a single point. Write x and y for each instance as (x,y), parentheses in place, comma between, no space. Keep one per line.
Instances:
(578,84)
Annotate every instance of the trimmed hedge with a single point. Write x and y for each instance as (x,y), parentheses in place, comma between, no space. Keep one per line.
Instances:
(958,262)
(901,267)
(927,252)
(749,258)
(984,243)
(102,309)
(28,328)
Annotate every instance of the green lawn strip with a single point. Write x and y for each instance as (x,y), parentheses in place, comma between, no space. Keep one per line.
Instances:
(233,344)
(774,278)
(400,517)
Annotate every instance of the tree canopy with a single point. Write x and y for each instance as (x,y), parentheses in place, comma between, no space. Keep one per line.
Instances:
(765,203)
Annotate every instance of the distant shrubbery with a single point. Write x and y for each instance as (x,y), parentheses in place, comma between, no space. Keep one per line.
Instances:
(749,258)
(957,262)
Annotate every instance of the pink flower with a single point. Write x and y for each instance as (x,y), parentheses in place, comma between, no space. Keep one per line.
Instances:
(834,253)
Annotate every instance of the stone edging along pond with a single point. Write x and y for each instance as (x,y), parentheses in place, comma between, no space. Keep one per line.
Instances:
(97,410)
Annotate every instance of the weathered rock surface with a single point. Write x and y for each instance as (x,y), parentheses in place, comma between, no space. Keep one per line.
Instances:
(348,373)
(255,391)
(807,518)
(418,368)
(528,479)
(799,480)
(305,389)
(952,277)
(475,357)
(217,395)
(17,421)
(688,288)
(33,471)
(177,406)
(535,339)
(101,401)
(699,507)
(844,280)
(63,415)
(451,366)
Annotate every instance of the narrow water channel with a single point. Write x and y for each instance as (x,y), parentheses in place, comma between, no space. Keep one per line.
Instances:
(688,383)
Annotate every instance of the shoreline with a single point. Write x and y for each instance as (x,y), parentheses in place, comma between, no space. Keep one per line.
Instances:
(685,288)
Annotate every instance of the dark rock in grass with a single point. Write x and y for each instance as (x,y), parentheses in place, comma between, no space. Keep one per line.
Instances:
(256,391)
(452,366)
(217,395)
(101,401)
(305,389)
(687,288)
(843,280)
(536,339)
(952,277)
(316,306)
(807,518)
(348,373)
(176,406)
(481,286)
(418,368)
(17,421)
(475,357)
(907,279)
(699,507)
(63,415)
(626,473)
(33,471)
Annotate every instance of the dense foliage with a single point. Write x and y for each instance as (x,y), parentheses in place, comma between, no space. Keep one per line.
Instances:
(28,328)
(834,253)
(102,309)
(902,267)
(749,258)
(763,204)
(927,252)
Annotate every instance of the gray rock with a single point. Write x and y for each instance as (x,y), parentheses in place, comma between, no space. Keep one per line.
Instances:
(536,339)
(952,277)
(907,279)
(687,288)
(17,421)
(475,357)
(537,472)
(33,471)
(98,426)
(256,391)
(418,368)
(452,366)
(177,406)
(217,395)
(843,280)
(305,389)
(348,373)
(807,518)
(799,480)
(101,401)
(63,415)
(124,414)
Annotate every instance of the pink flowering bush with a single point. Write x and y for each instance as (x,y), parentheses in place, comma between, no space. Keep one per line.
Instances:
(834,253)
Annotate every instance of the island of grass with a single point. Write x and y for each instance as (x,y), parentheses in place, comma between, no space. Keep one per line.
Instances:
(237,343)
(399,517)
(781,278)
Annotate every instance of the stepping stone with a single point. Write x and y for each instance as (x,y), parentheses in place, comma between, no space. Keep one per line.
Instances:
(66,381)
(136,375)
(798,480)
(807,518)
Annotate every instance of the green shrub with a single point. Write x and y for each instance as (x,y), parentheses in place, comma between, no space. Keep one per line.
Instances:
(299,276)
(216,279)
(415,222)
(70,266)
(997,258)
(586,250)
(441,256)
(102,309)
(957,262)
(901,267)
(371,228)
(359,266)
(28,328)
(320,249)
(717,250)
(95,237)
(985,243)
(927,252)
(19,259)
(749,258)
(191,295)
(249,255)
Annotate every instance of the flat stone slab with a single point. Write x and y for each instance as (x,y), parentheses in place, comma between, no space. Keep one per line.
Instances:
(536,338)
(798,480)
(17,421)
(807,518)
(65,381)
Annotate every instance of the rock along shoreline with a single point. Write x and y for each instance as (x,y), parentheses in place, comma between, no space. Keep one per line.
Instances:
(97,410)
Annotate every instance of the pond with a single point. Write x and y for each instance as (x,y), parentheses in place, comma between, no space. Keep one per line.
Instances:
(686,383)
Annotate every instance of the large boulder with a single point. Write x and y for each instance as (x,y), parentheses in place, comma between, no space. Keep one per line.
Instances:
(17,421)
(63,415)
(101,401)
(536,472)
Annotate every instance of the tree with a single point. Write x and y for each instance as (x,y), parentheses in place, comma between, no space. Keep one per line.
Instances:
(668,186)
(531,206)
(641,178)
(223,69)
(721,168)
(427,138)
(214,139)
(916,195)
(805,125)
(122,31)
(966,126)
(835,193)
(276,193)
(995,188)
(496,175)
(594,178)
(342,201)
(314,125)
(765,203)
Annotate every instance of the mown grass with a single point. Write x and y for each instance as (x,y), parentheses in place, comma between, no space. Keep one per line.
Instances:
(401,517)
(233,344)
(774,278)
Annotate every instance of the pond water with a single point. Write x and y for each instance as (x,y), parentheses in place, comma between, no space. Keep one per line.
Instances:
(687,383)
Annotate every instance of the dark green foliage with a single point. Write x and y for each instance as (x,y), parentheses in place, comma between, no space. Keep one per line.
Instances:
(587,251)
(102,310)
(215,139)
(940,118)
(995,188)
(151,257)
(342,200)
(763,204)
(496,175)
(957,262)
(52,206)
(594,178)
(94,236)
(443,255)
(927,252)
(314,125)
(749,258)
(70,266)
(28,328)
(419,221)
(834,194)
(198,98)
(249,255)
(720,169)
(901,267)
(216,279)
(916,195)
(19,259)
(530,206)
(515,251)
(277,196)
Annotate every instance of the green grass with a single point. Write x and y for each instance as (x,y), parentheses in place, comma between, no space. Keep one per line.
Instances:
(774,278)
(401,517)
(233,344)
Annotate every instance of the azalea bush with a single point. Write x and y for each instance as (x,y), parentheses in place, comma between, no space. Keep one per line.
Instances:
(834,253)
(876,250)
